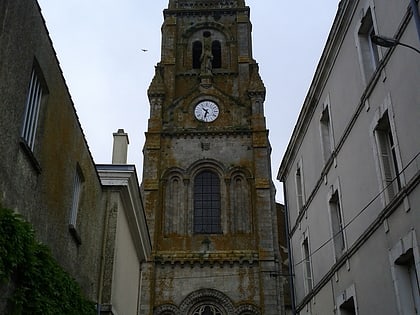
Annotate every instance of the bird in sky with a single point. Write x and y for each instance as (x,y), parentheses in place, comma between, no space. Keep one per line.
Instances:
(144,50)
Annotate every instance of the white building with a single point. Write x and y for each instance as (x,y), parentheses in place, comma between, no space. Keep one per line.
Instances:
(351,172)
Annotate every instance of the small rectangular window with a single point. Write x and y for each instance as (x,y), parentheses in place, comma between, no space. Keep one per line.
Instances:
(369,53)
(33,104)
(387,151)
(337,226)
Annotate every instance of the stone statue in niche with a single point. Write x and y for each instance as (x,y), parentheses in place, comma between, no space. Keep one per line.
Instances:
(206,58)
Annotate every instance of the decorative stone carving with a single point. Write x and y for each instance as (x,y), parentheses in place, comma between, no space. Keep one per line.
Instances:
(207,297)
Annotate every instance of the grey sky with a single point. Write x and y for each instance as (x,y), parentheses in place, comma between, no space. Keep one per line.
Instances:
(99,45)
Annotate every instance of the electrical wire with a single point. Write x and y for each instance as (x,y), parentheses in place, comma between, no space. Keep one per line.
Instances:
(358,214)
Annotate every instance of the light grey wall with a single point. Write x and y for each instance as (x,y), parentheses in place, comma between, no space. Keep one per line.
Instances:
(356,105)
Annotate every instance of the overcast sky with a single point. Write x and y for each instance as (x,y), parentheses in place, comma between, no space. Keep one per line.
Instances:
(99,45)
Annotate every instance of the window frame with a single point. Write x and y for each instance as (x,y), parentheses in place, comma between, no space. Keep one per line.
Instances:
(337,222)
(300,186)
(405,249)
(369,53)
(78,186)
(326,131)
(385,111)
(210,203)
(35,96)
(308,279)
(346,297)
(387,157)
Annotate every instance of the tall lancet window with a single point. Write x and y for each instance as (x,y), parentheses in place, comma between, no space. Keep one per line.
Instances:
(207,213)
(197,50)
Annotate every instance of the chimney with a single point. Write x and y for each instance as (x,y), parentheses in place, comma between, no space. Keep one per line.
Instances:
(119,151)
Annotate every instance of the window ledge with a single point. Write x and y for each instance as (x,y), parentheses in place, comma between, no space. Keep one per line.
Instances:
(30,155)
(75,234)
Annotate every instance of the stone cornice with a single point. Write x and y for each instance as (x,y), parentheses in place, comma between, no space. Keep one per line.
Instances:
(216,72)
(207,258)
(205,6)
(207,134)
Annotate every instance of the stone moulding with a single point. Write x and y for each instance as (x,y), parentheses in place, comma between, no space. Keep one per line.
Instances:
(249,258)
(205,296)
(207,134)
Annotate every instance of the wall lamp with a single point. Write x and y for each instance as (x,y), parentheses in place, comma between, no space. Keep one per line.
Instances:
(390,42)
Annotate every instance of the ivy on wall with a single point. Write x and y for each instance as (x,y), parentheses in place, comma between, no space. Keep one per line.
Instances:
(40,285)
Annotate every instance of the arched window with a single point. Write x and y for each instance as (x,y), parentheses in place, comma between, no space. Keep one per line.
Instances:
(207,203)
(197,50)
(216,50)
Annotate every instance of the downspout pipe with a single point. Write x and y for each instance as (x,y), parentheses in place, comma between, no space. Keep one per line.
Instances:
(416,15)
(290,252)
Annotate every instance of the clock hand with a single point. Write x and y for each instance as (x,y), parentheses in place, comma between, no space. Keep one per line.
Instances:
(207,112)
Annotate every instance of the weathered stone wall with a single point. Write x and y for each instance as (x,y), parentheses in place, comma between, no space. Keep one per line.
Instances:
(240,265)
(39,184)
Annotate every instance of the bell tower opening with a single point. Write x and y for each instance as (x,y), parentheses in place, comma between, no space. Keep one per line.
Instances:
(196,53)
(216,49)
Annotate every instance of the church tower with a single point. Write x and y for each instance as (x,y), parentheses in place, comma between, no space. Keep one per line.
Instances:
(207,185)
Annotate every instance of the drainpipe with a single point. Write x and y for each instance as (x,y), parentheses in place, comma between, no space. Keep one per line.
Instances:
(289,251)
(416,15)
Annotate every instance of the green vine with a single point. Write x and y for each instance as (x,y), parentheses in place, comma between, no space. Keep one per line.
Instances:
(40,285)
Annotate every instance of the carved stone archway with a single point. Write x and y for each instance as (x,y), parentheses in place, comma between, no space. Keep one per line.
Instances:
(217,301)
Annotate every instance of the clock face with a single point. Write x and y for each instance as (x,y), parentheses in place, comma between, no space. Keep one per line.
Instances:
(206,111)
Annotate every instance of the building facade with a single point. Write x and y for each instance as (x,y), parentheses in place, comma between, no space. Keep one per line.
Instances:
(351,171)
(207,187)
(89,216)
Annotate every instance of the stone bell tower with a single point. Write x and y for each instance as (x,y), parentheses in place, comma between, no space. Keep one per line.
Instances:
(207,185)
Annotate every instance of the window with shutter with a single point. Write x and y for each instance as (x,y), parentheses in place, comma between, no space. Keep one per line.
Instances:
(387,154)
(337,225)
